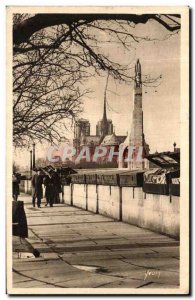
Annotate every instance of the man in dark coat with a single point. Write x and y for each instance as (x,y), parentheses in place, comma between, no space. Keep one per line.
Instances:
(57,186)
(37,190)
(15,186)
(49,189)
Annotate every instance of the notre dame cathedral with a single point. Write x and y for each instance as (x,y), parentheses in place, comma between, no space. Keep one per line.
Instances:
(105,134)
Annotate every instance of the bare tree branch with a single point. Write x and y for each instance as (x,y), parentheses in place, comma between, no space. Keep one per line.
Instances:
(24,30)
(54,54)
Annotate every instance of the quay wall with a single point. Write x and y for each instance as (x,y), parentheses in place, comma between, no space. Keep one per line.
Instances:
(159,213)
(131,204)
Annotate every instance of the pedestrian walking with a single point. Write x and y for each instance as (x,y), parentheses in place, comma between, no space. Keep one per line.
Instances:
(37,190)
(15,186)
(57,186)
(49,189)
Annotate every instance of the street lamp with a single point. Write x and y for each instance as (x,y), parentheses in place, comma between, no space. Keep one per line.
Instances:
(31,163)
(33,155)
(174,145)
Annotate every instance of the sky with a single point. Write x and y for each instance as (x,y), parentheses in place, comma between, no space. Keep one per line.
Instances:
(161,108)
(161,105)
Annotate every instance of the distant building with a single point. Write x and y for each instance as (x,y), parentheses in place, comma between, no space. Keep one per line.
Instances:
(82,128)
(104,126)
(113,140)
(100,127)
(105,135)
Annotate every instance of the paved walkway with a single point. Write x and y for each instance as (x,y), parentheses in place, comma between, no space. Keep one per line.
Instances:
(81,249)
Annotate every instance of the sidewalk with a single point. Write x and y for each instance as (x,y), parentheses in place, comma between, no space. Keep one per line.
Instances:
(81,249)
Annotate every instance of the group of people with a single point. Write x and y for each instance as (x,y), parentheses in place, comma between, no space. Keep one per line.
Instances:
(51,181)
(42,177)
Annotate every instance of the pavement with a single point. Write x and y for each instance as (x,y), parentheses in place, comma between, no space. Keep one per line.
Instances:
(80,249)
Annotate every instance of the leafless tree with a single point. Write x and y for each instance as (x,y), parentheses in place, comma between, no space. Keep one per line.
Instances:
(53,56)
(47,90)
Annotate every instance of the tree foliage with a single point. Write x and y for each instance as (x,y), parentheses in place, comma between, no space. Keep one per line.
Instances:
(54,54)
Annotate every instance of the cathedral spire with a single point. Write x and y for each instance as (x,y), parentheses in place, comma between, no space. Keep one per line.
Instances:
(104,126)
(104,130)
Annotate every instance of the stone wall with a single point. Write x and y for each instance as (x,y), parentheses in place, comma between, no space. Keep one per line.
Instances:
(158,213)
(79,192)
(67,194)
(109,201)
(129,204)
(92,198)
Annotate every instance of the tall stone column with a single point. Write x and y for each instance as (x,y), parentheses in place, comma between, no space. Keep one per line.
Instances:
(136,140)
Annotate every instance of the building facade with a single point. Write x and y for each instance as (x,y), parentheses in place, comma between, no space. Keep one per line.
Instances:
(81,129)
(105,135)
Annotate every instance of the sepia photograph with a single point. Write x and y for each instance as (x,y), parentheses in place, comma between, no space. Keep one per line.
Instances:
(97,150)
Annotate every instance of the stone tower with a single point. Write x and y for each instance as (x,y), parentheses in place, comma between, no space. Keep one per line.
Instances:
(137,139)
(82,128)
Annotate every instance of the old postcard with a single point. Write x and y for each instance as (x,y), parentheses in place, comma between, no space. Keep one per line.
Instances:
(97,150)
